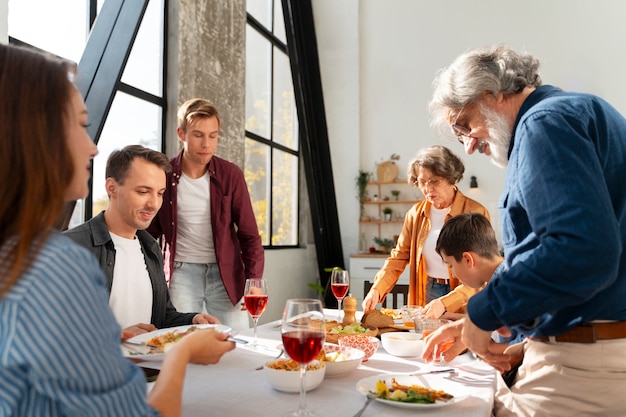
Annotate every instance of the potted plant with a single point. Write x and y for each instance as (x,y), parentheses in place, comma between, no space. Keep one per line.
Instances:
(395,194)
(384,245)
(361,186)
(387,213)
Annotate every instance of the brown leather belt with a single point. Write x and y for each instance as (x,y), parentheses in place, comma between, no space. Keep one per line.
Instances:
(443,281)
(588,333)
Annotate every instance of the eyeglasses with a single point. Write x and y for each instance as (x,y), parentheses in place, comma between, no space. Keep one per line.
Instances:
(424,184)
(459,130)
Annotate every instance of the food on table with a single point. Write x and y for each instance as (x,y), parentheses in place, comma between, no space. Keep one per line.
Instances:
(409,393)
(394,314)
(335,357)
(377,319)
(165,339)
(353,328)
(291,365)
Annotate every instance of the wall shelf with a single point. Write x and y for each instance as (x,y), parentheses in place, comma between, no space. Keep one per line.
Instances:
(373,224)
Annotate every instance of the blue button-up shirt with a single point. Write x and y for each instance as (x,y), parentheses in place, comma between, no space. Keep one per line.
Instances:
(563,214)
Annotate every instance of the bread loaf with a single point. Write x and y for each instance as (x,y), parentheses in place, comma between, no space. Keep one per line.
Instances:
(377,319)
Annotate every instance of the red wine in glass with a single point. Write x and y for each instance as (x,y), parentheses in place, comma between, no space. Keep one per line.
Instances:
(255,300)
(303,331)
(255,304)
(340,290)
(303,346)
(339,284)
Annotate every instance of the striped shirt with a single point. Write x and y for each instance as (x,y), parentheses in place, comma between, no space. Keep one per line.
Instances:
(59,342)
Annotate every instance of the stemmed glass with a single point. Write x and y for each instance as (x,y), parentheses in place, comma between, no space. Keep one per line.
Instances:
(339,284)
(255,299)
(303,337)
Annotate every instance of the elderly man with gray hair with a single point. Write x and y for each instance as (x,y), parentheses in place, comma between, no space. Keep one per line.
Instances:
(563,214)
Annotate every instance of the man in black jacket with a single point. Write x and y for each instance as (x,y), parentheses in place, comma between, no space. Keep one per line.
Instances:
(130,256)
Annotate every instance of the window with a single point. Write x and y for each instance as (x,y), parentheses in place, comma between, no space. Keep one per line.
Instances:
(272,157)
(137,111)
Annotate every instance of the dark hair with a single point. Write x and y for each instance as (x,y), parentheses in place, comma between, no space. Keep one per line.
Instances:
(196,108)
(35,160)
(119,162)
(467,232)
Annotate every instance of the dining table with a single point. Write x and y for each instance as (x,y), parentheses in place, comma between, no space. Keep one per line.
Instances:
(235,386)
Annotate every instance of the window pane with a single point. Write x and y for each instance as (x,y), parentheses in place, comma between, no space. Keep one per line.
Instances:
(144,67)
(285,117)
(257,165)
(130,121)
(279,21)
(261,10)
(59,27)
(284,198)
(258,83)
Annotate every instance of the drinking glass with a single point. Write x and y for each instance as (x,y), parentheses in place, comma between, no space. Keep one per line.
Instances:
(427,327)
(339,284)
(303,337)
(255,299)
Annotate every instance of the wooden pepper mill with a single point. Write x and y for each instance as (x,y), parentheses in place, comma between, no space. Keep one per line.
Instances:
(349,310)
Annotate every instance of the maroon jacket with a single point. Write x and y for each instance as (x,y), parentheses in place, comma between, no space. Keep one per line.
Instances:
(236,236)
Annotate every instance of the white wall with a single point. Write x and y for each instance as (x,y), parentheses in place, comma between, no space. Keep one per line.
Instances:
(402,44)
(4,21)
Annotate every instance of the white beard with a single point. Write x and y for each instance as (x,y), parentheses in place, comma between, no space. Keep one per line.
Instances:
(499,136)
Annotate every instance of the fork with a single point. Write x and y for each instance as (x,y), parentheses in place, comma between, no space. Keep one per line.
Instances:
(468,380)
(258,368)
(370,397)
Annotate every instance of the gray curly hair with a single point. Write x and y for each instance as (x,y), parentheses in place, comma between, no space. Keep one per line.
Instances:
(493,69)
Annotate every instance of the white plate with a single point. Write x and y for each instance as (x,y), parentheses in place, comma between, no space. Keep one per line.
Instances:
(131,351)
(460,393)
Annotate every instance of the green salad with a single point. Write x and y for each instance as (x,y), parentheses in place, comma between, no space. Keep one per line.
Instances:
(353,328)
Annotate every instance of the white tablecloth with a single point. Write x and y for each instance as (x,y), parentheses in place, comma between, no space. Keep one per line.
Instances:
(233,387)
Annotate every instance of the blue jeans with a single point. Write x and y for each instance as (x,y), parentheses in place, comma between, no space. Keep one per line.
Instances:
(199,288)
(435,290)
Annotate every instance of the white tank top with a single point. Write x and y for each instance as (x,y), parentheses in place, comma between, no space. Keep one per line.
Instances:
(194,239)
(435,267)
(131,292)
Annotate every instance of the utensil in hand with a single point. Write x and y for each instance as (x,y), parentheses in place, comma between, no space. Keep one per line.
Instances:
(255,298)
(437,371)
(303,333)
(339,285)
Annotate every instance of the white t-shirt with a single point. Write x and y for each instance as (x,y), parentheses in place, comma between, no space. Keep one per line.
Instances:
(194,239)
(131,292)
(435,267)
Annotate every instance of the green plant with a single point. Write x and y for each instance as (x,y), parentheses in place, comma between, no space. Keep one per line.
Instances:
(395,194)
(387,210)
(387,243)
(361,186)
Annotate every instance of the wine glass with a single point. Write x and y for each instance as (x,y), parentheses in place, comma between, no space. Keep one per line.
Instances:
(255,299)
(339,284)
(303,337)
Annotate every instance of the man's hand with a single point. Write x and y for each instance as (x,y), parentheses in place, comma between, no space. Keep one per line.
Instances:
(139,328)
(203,318)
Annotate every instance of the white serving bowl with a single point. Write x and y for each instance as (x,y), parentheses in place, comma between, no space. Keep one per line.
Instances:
(289,380)
(341,359)
(405,344)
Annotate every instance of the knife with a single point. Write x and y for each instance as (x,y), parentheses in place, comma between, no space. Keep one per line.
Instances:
(435,371)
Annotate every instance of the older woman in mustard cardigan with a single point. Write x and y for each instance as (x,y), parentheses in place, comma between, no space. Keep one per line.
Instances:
(435,171)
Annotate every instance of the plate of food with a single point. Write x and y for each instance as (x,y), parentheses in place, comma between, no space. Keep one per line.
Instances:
(419,391)
(153,346)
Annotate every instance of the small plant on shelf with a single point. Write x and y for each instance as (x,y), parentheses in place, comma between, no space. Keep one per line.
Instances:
(395,194)
(384,245)
(387,212)
(361,186)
